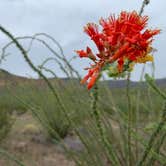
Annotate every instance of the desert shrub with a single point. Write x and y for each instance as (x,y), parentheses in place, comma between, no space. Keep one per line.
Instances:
(58,127)
(10,103)
(37,98)
(6,122)
(31,129)
(50,112)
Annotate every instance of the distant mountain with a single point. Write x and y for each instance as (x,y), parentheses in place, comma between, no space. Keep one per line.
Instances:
(6,76)
(123,83)
(161,82)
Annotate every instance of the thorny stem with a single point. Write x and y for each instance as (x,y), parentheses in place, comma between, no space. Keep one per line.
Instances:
(150,81)
(6,154)
(137,111)
(101,130)
(129,120)
(152,84)
(33,108)
(159,144)
(57,61)
(57,57)
(145,2)
(47,70)
(24,53)
(153,136)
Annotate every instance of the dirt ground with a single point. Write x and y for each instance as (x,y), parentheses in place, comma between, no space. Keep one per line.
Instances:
(30,145)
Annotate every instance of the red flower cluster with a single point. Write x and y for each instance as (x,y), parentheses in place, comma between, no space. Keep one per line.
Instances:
(121,41)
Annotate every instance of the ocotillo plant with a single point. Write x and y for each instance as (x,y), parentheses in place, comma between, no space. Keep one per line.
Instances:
(108,137)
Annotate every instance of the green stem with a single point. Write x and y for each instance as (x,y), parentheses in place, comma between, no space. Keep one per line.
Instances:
(129,119)
(25,55)
(11,157)
(153,137)
(96,113)
(152,84)
(137,117)
(157,149)
(145,2)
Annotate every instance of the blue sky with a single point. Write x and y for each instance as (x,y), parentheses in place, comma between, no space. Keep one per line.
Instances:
(64,20)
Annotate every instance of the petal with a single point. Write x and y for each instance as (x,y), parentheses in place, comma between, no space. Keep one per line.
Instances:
(81,53)
(92,80)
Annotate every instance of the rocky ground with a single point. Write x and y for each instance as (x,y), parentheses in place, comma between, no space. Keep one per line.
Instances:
(30,145)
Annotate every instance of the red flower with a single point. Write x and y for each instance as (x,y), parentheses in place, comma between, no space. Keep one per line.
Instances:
(121,41)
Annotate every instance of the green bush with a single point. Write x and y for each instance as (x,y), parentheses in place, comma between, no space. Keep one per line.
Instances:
(58,127)
(47,110)
(6,122)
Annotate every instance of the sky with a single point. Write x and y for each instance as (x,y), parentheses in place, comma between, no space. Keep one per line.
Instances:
(64,20)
